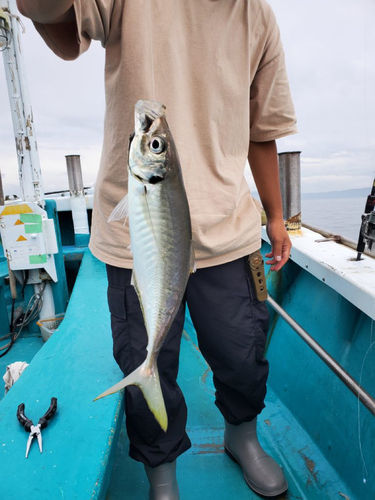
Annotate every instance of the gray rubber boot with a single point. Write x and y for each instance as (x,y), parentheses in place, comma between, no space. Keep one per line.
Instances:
(163,482)
(260,471)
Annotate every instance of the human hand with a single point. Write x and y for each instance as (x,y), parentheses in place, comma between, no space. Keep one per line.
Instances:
(280,244)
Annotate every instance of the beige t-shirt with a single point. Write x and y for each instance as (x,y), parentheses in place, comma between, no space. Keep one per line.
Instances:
(219,68)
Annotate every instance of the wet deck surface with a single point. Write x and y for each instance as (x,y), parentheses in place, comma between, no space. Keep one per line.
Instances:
(205,471)
(24,349)
(26,345)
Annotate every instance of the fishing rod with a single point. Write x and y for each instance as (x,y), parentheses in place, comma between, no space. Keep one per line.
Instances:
(367,231)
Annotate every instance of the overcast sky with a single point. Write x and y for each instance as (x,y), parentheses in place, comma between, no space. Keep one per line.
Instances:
(329,45)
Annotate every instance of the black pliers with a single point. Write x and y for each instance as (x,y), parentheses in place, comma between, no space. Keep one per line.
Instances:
(35,430)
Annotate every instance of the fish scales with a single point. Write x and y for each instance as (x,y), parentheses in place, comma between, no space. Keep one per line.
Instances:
(154,261)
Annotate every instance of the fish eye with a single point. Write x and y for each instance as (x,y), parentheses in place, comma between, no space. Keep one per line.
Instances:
(157,145)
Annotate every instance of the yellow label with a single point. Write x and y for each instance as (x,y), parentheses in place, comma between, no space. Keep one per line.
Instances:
(16,209)
(21,238)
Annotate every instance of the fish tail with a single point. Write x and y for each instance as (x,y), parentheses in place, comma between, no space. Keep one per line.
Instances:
(147,379)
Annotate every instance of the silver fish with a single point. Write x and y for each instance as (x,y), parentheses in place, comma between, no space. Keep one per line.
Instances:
(161,241)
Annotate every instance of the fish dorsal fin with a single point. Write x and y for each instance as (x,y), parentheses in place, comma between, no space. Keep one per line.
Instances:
(133,281)
(121,211)
(193,266)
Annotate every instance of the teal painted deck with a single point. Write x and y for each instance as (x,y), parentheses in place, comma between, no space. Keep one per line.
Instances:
(310,423)
(205,471)
(72,366)
(24,349)
(336,421)
(28,343)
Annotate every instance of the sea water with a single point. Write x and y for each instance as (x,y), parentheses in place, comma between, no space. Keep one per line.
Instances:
(339,215)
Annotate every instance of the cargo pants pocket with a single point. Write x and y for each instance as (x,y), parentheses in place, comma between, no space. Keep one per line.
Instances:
(120,329)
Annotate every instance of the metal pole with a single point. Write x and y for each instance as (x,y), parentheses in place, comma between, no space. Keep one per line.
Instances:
(77,201)
(22,116)
(343,375)
(290,185)
(2,199)
(73,165)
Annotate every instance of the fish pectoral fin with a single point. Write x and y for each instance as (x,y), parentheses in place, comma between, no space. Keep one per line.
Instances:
(147,379)
(121,211)
(193,266)
(133,280)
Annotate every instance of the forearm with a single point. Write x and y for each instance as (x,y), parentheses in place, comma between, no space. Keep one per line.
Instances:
(265,169)
(46,11)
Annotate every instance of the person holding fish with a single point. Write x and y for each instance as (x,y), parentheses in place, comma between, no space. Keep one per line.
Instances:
(208,84)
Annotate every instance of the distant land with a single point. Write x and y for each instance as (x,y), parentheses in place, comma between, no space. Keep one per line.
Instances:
(347,193)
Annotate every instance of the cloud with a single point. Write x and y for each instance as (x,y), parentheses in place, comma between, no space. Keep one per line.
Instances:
(329,50)
(68,107)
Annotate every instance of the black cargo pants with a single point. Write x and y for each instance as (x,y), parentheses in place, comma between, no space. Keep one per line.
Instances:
(231,326)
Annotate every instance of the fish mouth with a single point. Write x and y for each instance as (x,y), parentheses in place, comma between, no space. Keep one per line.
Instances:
(146,112)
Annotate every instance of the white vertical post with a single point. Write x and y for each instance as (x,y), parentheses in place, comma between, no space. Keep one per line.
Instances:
(77,201)
(27,151)
(290,185)
(2,199)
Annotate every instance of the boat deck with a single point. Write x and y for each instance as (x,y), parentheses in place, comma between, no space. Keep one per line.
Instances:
(205,471)
(27,344)
(24,349)
(81,460)
(73,366)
